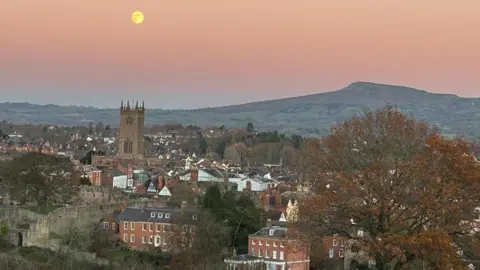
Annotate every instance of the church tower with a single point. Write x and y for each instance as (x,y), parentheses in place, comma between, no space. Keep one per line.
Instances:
(131,138)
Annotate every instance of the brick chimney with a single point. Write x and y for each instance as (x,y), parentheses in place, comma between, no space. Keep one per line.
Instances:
(160,182)
(225,179)
(194,175)
(278,200)
(123,205)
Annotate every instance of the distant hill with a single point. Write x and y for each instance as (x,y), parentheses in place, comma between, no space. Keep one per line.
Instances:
(308,115)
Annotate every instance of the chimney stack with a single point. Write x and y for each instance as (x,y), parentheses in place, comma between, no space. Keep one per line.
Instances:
(225,180)
(194,175)
(123,205)
(278,200)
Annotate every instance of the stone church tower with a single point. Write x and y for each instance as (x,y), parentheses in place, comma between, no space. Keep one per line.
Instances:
(131,138)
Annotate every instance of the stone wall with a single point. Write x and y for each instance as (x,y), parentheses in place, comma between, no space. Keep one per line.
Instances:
(99,195)
(39,230)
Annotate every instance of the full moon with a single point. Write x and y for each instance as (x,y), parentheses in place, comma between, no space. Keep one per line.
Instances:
(137,17)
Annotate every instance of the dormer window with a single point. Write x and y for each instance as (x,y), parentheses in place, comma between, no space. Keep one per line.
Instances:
(152,214)
(160,215)
(334,242)
(167,215)
(271,232)
(194,216)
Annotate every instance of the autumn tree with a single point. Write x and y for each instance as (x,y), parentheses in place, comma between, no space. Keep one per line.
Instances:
(394,187)
(36,177)
(200,243)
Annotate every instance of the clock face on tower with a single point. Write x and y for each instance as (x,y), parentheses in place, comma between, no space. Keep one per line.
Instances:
(129,120)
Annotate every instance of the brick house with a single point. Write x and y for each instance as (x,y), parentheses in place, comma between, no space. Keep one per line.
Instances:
(335,246)
(148,228)
(100,177)
(273,247)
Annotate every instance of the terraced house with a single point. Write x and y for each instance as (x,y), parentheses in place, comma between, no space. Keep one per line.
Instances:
(151,228)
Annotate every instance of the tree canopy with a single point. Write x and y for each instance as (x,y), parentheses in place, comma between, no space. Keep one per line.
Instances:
(410,191)
(239,213)
(35,177)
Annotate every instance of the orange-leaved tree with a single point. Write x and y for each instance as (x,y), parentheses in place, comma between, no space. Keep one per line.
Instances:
(394,187)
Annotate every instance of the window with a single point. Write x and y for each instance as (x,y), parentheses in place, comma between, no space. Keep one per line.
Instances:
(151,227)
(114,226)
(271,232)
(274,244)
(144,239)
(167,215)
(158,227)
(144,227)
(341,253)
(105,225)
(334,242)
(132,226)
(158,240)
(267,243)
(281,244)
(125,226)
(164,227)
(150,240)
(152,214)
(194,217)
(253,252)
(164,242)
(281,255)
(259,253)
(185,228)
(267,253)
(125,238)
(253,242)
(260,243)
(274,254)
(342,243)
(330,253)
(132,238)
(160,215)
(127,146)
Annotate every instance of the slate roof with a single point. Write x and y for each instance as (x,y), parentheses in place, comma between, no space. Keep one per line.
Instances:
(158,215)
(274,215)
(117,172)
(278,232)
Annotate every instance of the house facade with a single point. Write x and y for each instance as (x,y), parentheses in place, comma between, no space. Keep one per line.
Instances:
(147,229)
(273,247)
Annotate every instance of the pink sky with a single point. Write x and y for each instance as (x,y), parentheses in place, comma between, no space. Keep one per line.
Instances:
(212,52)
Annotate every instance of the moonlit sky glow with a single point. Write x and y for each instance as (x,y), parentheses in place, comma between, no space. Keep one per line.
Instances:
(192,54)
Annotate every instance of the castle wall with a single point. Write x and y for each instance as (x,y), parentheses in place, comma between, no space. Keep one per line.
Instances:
(39,232)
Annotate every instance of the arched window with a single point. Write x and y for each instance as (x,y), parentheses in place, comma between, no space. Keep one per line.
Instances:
(127,146)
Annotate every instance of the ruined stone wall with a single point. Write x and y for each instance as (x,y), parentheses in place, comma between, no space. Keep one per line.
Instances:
(99,195)
(15,216)
(40,227)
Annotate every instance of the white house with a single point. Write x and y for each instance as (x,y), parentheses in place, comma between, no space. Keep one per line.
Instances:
(204,175)
(120,181)
(257,184)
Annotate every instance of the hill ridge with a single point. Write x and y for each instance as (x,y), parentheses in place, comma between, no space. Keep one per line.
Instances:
(309,115)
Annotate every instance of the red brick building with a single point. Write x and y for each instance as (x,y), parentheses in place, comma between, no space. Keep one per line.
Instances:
(100,177)
(273,246)
(335,246)
(154,227)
